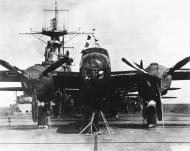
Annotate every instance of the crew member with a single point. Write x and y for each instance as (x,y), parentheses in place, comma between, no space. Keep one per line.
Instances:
(66,66)
(47,51)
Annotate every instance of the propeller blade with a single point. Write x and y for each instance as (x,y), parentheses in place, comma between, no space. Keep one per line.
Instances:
(141,64)
(25,80)
(9,67)
(158,102)
(56,65)
(133,65)
(169,97)
(172,88)
(179,65)
(137,64)
(14,69)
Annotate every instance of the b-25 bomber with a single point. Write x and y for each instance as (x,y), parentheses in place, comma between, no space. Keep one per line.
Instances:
(95,83)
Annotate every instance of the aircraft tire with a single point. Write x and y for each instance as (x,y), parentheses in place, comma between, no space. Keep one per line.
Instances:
(151,116)
(34,111)
(42,116)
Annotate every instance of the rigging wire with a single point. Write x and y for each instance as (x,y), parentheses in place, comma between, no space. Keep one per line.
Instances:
(71,38)
(39,39)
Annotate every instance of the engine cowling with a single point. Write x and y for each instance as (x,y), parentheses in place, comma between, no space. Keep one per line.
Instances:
(41,84)
(160,71)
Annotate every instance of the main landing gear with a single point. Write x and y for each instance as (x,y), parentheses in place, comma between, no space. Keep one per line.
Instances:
(149,114)
(42,116)
(39,114)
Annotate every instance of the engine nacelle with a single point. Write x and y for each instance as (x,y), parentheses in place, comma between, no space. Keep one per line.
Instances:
(42,84)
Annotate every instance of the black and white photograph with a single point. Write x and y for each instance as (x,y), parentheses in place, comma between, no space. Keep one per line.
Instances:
(94,75)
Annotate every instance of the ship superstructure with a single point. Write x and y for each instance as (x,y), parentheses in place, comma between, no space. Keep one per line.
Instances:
(55,47)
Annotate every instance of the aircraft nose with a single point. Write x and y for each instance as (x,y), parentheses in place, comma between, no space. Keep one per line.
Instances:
(94,75)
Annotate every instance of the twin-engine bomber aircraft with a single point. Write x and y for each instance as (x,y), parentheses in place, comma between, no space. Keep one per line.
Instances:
(96,82)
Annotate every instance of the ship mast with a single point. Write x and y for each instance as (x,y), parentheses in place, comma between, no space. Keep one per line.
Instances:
(56,11)
(55,32)
(56,15)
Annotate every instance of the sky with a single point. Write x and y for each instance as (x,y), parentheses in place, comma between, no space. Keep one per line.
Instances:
(152,30)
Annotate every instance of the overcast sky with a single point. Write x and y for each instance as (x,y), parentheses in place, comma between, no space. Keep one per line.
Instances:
(152,30)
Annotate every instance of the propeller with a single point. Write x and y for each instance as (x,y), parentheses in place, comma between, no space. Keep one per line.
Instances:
(56,65)
(178,65)
(133,65)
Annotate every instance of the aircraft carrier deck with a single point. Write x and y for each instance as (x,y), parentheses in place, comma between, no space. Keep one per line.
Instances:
(21,134)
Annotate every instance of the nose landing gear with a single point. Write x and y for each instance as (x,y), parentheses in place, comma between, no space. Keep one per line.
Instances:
(93,125)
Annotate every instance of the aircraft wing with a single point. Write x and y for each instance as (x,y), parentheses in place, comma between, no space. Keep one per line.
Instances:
(62,80)
(67,80)
(181,74)
(163,97)
(119,79)
(125,79)
(9,76)
(11,89)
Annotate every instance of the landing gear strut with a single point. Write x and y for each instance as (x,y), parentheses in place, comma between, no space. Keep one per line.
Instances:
(39,114)
(34,111)
(42,116)
(149,114)
(93,125)
(151,117)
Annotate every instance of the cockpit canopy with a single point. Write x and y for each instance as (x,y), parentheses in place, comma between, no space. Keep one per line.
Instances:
(95,49)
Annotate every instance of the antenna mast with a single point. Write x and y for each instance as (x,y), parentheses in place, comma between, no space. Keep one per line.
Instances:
(56,15)
(55,19)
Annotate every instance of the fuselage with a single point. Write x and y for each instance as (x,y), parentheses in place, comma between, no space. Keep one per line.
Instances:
(95,74)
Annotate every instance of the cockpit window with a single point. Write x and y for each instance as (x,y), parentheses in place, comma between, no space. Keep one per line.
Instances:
(90,50)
